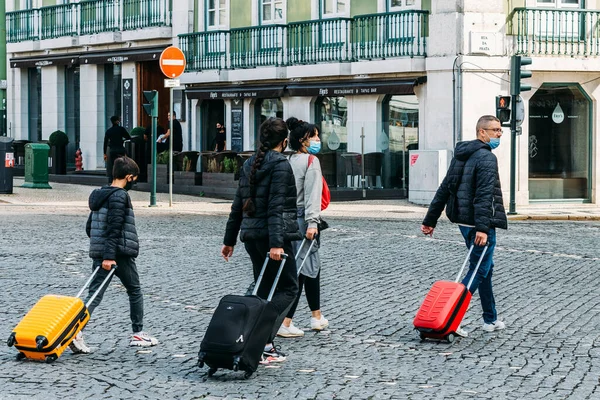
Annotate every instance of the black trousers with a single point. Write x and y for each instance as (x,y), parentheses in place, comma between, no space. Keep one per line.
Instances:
(312,287)
(127,272)
(287,287)
(110,162)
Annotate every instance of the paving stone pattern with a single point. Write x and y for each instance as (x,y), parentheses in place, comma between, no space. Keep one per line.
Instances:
(375,275)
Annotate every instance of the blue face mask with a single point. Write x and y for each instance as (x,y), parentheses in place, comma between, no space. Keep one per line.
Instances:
(494,143)
(314,147)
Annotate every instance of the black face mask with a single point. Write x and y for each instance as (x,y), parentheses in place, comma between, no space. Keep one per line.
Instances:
(129,185)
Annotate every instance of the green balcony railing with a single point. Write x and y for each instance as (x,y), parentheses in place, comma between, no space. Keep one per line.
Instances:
(96,16)
(22,26)
(555,31)
(257,46)
(139,14)
(57,21)
(396,34)
(205,50)
(326,40)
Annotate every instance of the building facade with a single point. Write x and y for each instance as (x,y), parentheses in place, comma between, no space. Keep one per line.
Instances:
(392,84)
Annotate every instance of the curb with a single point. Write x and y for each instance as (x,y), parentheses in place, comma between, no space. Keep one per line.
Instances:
(554,217)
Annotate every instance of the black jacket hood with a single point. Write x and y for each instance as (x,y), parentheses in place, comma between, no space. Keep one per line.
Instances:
(99,196)
(271,157)
(464,150)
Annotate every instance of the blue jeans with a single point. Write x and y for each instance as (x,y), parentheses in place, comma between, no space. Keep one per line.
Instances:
(483,279)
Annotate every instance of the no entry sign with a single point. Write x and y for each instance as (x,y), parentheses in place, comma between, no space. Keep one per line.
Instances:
(172,62)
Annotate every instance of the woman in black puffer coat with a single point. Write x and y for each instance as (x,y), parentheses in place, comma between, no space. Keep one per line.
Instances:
(264,213)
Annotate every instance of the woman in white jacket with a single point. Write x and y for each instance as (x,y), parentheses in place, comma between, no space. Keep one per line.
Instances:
(304,139)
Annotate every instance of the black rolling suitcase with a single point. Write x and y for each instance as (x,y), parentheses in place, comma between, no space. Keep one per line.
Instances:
(239,330)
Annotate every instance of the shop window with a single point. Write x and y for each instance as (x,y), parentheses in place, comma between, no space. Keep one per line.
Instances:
(112,91)
(35,104)
(559,143)
(400,135)
(337,163)
(265,109)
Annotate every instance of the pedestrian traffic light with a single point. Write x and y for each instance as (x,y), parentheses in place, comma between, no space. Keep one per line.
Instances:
(151,107)
(516,74)
(503,108)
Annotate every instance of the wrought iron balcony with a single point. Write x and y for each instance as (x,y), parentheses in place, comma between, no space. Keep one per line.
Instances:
(397,34)
(539,31)
(86,18)
(365,37)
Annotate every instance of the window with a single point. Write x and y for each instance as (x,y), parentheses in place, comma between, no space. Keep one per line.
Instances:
(559,3)
(271,11)
(399,5)
(330,8)
(216,11)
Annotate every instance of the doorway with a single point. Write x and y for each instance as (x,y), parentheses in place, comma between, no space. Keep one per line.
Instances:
(212,112)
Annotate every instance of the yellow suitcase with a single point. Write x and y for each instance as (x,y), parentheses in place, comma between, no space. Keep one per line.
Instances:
(49,327)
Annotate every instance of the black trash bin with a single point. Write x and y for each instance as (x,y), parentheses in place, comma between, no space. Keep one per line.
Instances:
(7,163)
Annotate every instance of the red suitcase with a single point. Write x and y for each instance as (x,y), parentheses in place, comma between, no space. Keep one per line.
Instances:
(445,306)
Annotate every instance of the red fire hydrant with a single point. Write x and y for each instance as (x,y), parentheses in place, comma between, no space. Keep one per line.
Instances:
(78,160)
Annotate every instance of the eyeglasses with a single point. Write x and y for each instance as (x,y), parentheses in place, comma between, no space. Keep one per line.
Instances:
(492,129)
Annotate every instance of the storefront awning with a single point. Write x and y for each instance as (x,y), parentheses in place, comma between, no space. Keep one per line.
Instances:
(98,57)
(235,92)
(122,55)
(44,61)
(331,89)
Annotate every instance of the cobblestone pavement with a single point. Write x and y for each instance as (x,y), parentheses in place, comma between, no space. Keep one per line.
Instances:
(375,274)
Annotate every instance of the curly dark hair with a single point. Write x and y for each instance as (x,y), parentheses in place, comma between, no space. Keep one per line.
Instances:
(272,133)
(300,131)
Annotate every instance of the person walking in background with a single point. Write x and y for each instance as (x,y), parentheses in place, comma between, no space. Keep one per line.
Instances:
(113,144)
(472,196)
(177,134)
(304,139)
(221,138)
(264,213)
(114,241)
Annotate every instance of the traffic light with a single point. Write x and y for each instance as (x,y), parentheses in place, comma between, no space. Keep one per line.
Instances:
(516,74)
(503,108)
(151,108)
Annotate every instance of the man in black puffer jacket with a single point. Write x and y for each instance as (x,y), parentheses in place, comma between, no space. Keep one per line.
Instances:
(472,196)
(114,241)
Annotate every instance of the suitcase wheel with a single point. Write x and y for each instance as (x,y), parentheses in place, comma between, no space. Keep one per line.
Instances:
(200,364)
(422,336)
(450,338)
(211,372)
(247,374)
(12,340)
(236,364)
(51,358)
(20,356)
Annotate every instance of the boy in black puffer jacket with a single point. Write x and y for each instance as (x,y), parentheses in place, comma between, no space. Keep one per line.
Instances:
(114,241)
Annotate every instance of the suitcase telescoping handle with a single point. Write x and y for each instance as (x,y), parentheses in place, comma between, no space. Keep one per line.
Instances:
(476,268)
(312,242)
(262,272)
(104,282)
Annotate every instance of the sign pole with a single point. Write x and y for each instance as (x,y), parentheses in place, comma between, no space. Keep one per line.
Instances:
(153,191)
(171,137)
(513,160)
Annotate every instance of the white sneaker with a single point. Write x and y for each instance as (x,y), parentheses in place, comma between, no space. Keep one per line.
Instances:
(496,326)
(461,332)
(78,346)
(143,339)
(291,331)
(318,324)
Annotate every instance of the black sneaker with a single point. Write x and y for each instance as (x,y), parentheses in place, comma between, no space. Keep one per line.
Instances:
(273,354)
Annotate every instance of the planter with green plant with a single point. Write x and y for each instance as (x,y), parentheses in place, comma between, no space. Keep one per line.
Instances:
(58,142)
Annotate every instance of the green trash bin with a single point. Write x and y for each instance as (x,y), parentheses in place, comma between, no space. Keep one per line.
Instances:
(36,166)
